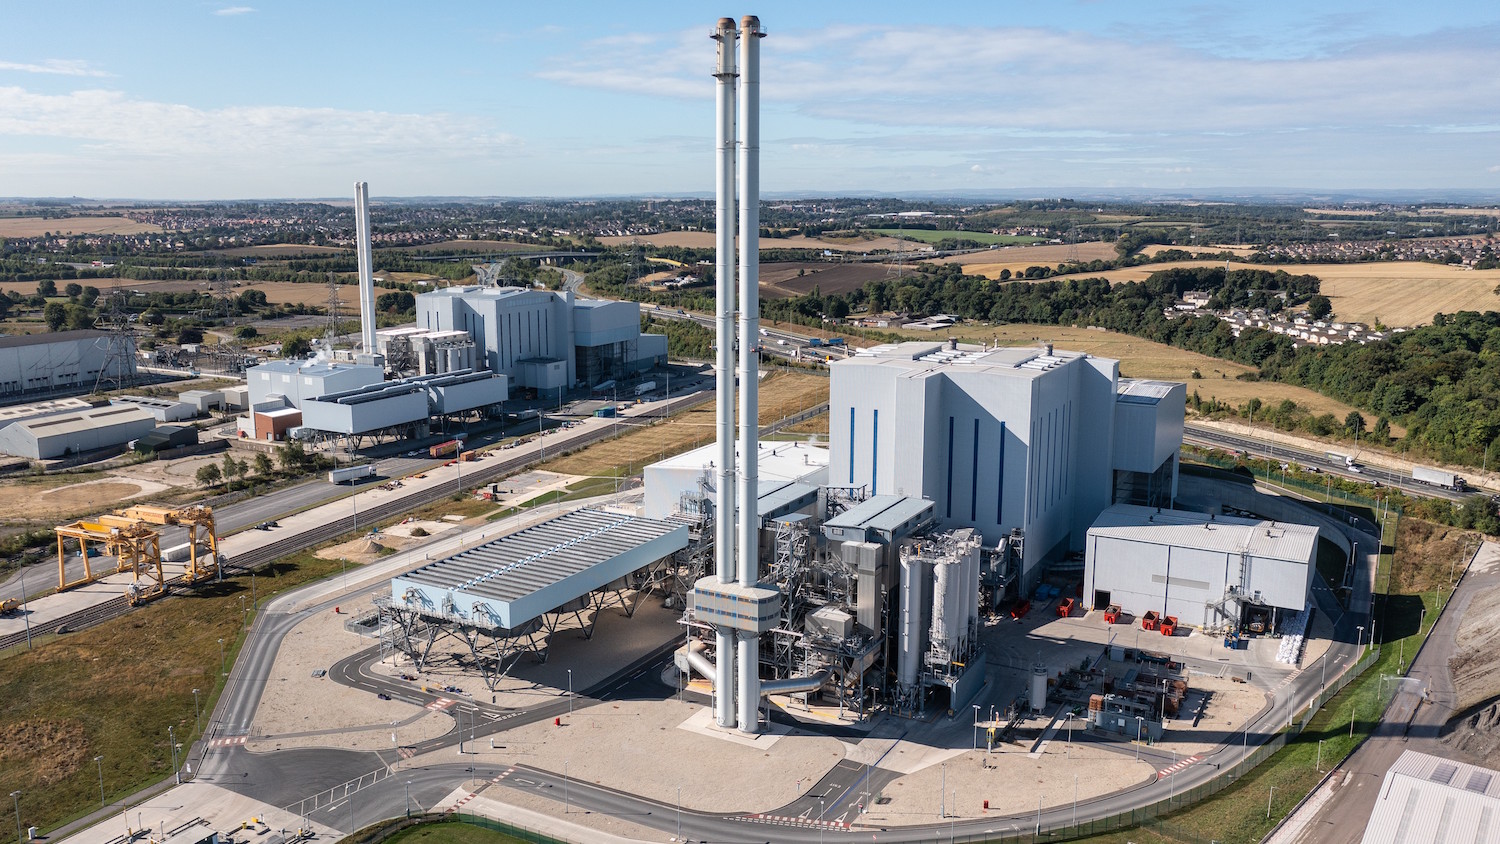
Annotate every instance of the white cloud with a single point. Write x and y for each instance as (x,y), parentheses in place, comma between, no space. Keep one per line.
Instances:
(61,67)
(1048,81)
(161,148)
(234,10)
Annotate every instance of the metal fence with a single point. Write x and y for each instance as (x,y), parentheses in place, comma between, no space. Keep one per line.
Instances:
(514,831)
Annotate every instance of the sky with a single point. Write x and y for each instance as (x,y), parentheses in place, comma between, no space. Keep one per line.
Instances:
(216,100)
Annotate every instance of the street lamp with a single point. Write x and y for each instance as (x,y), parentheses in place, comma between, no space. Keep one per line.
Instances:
(1075,802)
(16,796)
(1268,802)
(1138,722)
(1360,639)
(1318,766)
(565,787)
(172,740)
(820,819)
(408,798)
(222,669)
(25,608)
(976,727)
(679,813)
(99,760)
(197,716)
(570,692)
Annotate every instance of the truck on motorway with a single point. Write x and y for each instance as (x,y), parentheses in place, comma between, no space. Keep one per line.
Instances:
(644,387)
(1437,477)
(350,474)
(1338,459)
(815,342)
(444,449)
(835,341)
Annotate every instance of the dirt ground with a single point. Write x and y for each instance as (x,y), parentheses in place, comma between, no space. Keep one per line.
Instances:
(991,261)
(37,226)
(371,547)
(38,499)
(276,291)
(705,240)
(781,279)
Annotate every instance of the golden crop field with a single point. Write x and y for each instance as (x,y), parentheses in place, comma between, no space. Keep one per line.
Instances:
(781,395)
(1144,359)
(1017,258)
(287,292)
(705,240)
(37,226)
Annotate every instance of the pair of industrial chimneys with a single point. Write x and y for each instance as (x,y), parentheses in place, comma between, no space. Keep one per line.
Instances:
(737,156)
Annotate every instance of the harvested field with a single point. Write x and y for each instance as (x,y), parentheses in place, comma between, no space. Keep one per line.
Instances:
(288,292)
(781,395)
(934,236)
(991,261)
(1144,359)
(1399,294)
(38,226)
(781,279)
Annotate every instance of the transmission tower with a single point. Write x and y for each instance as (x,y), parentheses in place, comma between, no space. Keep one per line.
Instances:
(331,332)
(119,359)
(223,293)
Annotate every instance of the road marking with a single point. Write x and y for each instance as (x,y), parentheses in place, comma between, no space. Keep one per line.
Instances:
(406,753)
(1172,769)
(440,704)
(782,820)
(232,741)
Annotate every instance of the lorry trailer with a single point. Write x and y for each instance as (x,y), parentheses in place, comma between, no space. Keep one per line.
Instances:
(1438,477)
(350,474)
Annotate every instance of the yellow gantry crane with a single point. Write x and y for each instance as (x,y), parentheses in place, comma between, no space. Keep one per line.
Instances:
(135,545)
(130,537)
(199,521)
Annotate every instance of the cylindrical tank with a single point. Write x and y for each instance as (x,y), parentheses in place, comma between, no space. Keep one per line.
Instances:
(1038,687)
(909,655)
(942,588)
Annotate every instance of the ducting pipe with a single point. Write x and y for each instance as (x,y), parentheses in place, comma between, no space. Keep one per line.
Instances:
(793,685)
(691,657)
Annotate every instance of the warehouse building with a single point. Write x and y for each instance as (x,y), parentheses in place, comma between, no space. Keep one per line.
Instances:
(392,405)
(33,364)
(63,434)
(542,339)
(1209,571)
(202,401)
(1027,443)
(162,410)
(166,438)
(37,410)
(1435,800)
(690,473)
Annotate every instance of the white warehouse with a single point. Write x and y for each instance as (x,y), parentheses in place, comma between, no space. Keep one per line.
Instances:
(692,473)
(32,364)
(1027,439)
(1206,570)
(299,380)
(62,434)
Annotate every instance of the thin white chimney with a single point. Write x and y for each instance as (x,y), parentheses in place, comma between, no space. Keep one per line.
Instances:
(366,271)
(724,149)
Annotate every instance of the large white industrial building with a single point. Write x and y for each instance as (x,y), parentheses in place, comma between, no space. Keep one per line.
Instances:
(1207,570)
(542,339)
(692,473)
(297,380)
(62,434)
(1015,439)
(33,364)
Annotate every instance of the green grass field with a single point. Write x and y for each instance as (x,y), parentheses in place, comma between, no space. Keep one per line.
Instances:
(929,236)
(451,832)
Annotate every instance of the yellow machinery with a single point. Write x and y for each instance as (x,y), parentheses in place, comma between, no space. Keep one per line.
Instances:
(199,521)
(135,545)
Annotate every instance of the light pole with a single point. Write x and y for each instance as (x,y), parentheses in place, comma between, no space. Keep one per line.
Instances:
(197,715)
(570,692)
(222,670)
(99,760)
(16,796)
(1268,802)
(942,793)
(820,819)
(1318,766)
(976,728)
(565,787)
(172,740)
(1039,814)
(1351,719)
(1138,723)
(25,608)
(679,813)
(1075,801)
(408,798)
(1360,640)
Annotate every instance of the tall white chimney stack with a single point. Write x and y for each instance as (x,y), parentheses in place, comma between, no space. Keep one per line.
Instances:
(724,510)
(749,493)
(366,270)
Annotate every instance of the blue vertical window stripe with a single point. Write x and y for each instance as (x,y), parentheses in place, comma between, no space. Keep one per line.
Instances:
(874,450)
(1000,480)
(949,513)
(851,445)
(974,478)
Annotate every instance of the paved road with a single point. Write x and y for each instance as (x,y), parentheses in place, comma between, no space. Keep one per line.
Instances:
(1424,702)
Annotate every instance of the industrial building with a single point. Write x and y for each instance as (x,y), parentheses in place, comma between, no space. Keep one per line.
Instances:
(1435,800)
(411,350)
(688,474)
(162,410)
(1025,442)
(166,438)
(540,339)
(35,364)
(1208,571)
(202,401)
(37,410)
(63,434)
(403,405)
(293,381)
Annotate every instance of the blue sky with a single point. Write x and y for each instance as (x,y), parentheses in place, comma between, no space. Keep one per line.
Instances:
(249,99)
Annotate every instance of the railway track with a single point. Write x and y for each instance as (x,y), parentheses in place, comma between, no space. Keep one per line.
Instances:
(484,472)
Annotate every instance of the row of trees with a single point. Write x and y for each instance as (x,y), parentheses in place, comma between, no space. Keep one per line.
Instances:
(293,458)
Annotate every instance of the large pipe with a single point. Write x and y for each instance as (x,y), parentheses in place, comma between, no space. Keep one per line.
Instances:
(692,657)
(749,177)
(366,268)
(724,141)
(793,685)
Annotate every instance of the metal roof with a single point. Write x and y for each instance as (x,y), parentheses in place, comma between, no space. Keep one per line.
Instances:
(88,420)
(10,341)
(777,498)
(921,358)
(516,578)
(881,513)
(1132,391)
(1438,800)
(1185,529)
(41,408)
